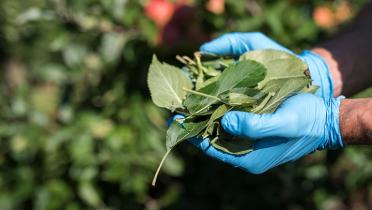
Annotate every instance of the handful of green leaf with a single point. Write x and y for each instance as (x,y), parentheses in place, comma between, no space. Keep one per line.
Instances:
(208,86)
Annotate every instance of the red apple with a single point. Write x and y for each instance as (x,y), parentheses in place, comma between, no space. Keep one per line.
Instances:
(324,17)
(216,6)
(160,11)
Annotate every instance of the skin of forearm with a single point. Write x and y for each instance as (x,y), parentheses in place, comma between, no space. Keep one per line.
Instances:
(349,56)
(355,120)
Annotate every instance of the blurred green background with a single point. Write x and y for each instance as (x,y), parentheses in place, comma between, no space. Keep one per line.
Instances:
(78,129)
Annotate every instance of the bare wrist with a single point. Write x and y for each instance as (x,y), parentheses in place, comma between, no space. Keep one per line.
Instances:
(355,120)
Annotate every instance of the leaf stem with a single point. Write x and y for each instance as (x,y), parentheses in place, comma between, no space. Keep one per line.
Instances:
(180,59)
(191,62)
(202,94)
(159,167)
(201,68)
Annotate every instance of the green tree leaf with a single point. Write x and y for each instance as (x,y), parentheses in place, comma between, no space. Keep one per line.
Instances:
(230,144)
(288,88)
(284,69)
(236,146)
(266,55)
(238,99)
(245,73)
(218,113)
(167,85)
(286,75)
(177,133)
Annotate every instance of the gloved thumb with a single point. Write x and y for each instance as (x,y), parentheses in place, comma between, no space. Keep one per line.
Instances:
(254,126)
(228,44)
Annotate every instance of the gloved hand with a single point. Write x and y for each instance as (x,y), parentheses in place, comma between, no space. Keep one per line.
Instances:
(303,124)
(236,44)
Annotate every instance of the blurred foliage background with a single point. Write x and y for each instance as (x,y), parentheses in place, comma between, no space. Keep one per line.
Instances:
(78,130)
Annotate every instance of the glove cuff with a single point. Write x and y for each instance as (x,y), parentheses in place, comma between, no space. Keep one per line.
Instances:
(334,138)
(320,73)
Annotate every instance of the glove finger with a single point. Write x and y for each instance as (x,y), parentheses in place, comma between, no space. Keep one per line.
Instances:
(200,143)
(268,153)
(269,142)
(238,43)
(263,159)
(208,149)
(228,44)
(257,126)
(256,162)
(320,73)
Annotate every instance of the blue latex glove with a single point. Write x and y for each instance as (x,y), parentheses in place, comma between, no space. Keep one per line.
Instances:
(303,124)
(236,44)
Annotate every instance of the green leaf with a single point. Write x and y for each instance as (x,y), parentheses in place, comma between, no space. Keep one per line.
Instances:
(199,104)
(166,84)
(177,133)
(262,103)
(211,71)
(89,194)
(286,75)
(266,55)
(208,81)
(219,63)
(238,99)
(238,146)
(279,64)
(199,81)
(218,113)
(111,46)
(253,92)
(288,88)
(242,74)
(284,69)
(231,144)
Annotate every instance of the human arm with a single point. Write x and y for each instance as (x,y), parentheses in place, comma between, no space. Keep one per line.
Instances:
(356,121)
(348,56)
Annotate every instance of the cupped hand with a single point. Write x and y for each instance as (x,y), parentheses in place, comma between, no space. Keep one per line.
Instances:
(303,124)
(237,43)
